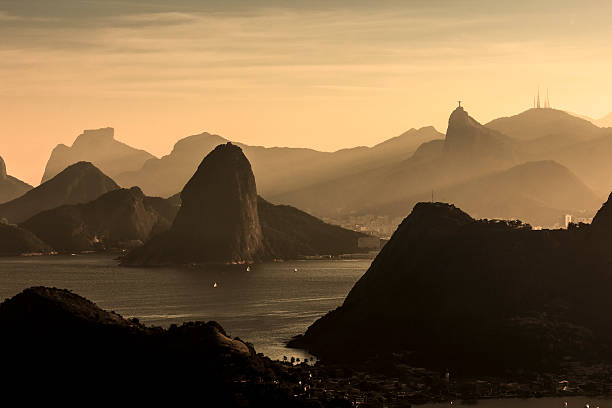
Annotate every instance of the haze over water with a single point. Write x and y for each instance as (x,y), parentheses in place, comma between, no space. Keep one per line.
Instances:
(266,306)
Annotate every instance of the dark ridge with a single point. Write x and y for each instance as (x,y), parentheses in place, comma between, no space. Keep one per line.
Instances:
(123,218)
(67,346)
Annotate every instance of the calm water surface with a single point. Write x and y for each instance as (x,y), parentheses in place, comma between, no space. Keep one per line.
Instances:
(572,402)
(266,306)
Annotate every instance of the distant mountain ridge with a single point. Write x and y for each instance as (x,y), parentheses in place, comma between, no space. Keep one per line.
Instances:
(469,150)
(99,147)
(276,168)
(79,183)
(539,193)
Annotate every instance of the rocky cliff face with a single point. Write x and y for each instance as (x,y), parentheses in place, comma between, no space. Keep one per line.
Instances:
(99,147)
(450,291)
(122,218)
(80,183)
(218,219)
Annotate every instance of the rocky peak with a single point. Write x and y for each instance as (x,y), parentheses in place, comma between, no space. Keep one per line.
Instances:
(2,169)
(219,207)
(218,220)
(467,139)
(95,136)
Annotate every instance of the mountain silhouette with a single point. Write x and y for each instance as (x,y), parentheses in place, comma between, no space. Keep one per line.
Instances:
(534,124)
(221,219)
(121,218)
(467,139)
(79,183)
(217,220)
(469,150)
(448,291)
(10,187)
(277,169)
(292,233)
(99,147)
(540,193)
(59,339)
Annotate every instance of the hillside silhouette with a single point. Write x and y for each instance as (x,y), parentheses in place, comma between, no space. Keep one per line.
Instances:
(79,183)
(477,296)
(122,218)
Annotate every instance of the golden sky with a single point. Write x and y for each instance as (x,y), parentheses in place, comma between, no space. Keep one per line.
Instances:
(322,74)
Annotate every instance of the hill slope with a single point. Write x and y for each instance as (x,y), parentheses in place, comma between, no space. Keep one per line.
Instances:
(477,296)
(62,341)
(79,183)
(15,241)
(118,219)
(10,187)
(539,193)
(469,150)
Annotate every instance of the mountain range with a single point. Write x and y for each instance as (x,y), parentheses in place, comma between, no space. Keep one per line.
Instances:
(99,147)
(277,169)
(218,214)
(387,179)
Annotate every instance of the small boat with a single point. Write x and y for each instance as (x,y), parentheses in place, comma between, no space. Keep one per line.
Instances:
(295,269)
(215,285)
(248,269)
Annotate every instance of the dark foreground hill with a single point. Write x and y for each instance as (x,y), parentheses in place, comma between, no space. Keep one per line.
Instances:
(10,187)
(221,219)
(121,218)
(56,341)
(477,296)
(79,183)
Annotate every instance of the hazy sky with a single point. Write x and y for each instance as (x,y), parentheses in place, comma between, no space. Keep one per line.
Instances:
(323,74)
